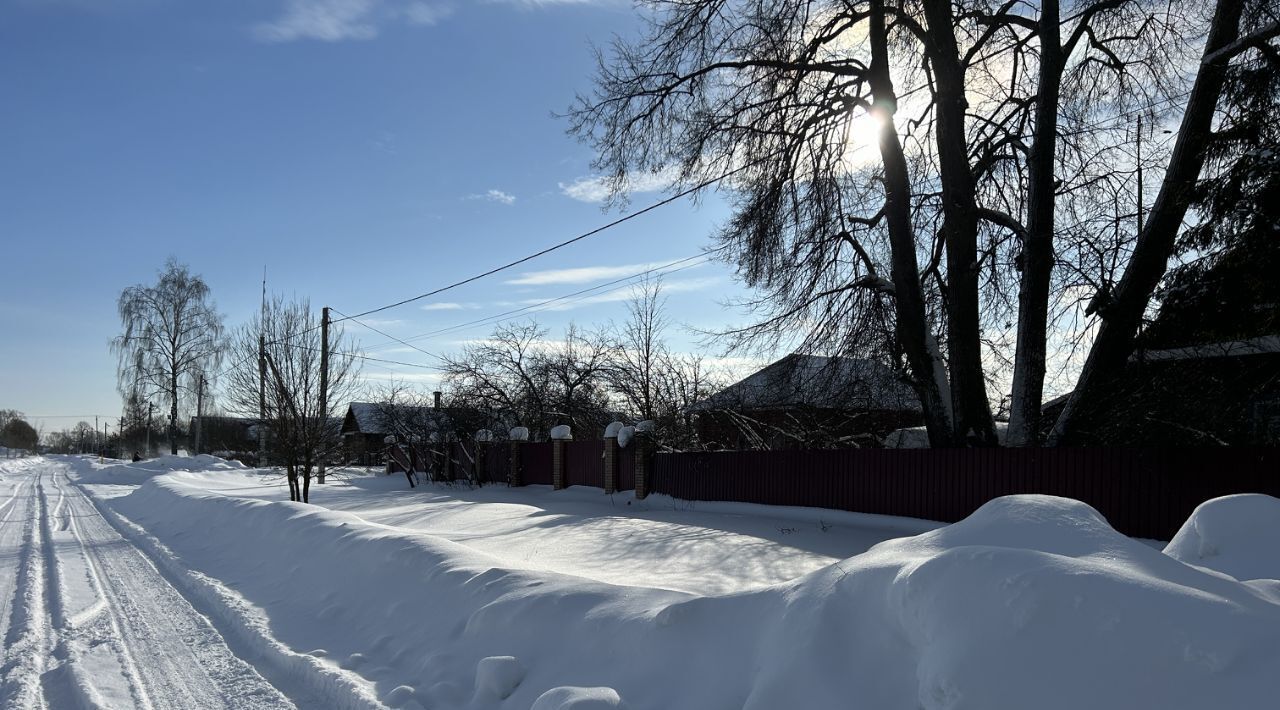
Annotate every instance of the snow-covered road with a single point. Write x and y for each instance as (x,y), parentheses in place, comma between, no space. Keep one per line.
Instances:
(88,620)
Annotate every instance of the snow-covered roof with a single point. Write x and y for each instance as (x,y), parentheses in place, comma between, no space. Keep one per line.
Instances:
(817,381)
(381,418)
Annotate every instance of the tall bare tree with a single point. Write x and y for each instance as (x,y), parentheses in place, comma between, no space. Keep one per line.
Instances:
(301,433)
(173,336)
(998,141)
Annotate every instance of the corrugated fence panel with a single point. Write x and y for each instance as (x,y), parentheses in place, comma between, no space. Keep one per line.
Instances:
(627,468)
(535,463)
(1142,492)
(584,463)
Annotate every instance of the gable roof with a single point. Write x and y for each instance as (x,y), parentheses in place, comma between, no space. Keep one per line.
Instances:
(817,381)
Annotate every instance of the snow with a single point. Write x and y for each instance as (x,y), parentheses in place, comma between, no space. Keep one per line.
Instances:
(625,435)
(498,676)
(1032,601)
(1235,535)
(611,431)
(561,432)
(520,433)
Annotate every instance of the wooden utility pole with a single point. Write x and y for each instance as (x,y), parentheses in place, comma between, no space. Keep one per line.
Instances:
(323,413)
(199,413)
(262,400)
(150,407)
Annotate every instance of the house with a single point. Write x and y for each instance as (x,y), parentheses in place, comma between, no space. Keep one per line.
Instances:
(1213,394)
(367,425)
(809,401)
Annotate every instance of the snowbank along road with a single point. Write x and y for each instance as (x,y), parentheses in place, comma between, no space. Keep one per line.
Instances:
(88,620)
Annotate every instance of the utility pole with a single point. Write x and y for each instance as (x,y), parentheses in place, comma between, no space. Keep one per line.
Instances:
(262,373)
(97,438)
(324,390)
(199,412)
(262,400)
(150,406)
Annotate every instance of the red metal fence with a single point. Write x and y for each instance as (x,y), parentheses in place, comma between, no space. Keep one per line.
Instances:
(584,463)
(535,463)
(1141,492)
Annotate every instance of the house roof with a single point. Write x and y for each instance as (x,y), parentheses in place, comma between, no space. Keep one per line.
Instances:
(817,381)
(380,418)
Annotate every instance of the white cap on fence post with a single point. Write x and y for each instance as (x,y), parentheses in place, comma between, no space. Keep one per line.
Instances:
(484,435)
(388,439)
(611,431)
(561,432)
(625,434)
(520,433)
(646,426)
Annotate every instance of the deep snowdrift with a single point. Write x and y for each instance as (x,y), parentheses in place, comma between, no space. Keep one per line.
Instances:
(1032,601)
(113,471)
(1237,535)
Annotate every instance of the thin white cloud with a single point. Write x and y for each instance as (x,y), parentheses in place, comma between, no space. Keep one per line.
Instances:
(342,20)
(504,198)
(448,306)
(598,188)
(325,20)
(581,274)
(425,14)
(624,293)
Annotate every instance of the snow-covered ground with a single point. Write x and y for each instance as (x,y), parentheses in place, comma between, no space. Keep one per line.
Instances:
(705,548)
(525,598)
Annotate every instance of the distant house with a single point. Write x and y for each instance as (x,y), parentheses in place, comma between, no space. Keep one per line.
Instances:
(1214,394)
(808,401)
(367,425)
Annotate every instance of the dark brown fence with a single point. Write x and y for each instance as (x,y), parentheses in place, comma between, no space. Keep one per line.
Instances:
(584,463)
(535,463)
(1141,492)
(627,469)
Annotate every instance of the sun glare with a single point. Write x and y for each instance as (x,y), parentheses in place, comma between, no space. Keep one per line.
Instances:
(860,142)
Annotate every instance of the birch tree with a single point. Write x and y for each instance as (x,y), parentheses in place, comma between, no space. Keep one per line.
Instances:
(173,335)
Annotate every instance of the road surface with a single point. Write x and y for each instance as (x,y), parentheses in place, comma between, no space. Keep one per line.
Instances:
(87,619)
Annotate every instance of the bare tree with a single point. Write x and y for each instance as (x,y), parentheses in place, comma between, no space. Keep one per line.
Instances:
(997,135)
(517,373)
(173,336)
(301,433)
(640,353)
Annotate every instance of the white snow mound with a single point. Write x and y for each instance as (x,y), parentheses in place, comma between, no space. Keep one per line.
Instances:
(1031,602)
(1235,535)
(571,698)
(88,470)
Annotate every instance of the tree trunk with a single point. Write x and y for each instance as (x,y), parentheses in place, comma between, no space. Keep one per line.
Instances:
(306,485)
(912,327)
(1037,247)
(173,414)
(292,474)
(1123,315)
(972,411)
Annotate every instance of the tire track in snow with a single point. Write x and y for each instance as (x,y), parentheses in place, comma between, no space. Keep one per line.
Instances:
(26,631)
(167,654)
(308,680)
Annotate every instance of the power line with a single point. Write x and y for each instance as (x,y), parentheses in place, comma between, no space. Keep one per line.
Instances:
(394,338)
(565,243)
(538,306)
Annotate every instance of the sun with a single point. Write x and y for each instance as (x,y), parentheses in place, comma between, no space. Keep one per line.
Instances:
(861,139)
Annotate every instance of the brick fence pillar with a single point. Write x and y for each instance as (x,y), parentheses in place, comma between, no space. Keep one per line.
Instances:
(557,464)
(513,476)
(641,442)
(611,464)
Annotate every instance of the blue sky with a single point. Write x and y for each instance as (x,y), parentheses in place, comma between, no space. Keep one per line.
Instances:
(362,150)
